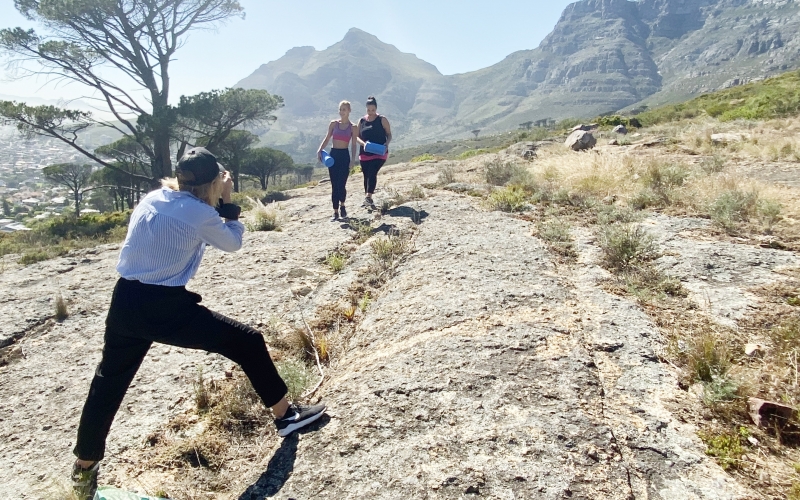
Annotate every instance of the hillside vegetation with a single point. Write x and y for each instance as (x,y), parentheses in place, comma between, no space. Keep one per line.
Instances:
(772,98)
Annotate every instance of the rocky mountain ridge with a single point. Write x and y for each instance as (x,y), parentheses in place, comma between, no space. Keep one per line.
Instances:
(602,56)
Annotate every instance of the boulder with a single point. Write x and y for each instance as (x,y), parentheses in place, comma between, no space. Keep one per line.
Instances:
(584,127)
(580,140)
(724,138)
(769,413)
(526,150)
(620,129)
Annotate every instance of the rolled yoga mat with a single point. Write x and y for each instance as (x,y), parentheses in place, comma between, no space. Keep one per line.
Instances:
(374,148)
(326,159)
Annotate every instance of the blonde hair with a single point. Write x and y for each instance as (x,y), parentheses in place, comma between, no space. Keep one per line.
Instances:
(209,192)
(346,103)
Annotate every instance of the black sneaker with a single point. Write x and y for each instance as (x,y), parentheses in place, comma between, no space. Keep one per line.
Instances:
(342,212)
(335,217)
(297,417)
(84,481)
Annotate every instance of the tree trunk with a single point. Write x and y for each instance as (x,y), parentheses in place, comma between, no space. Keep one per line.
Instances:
(162,122)
(77,203)
(235,175)
(264,182)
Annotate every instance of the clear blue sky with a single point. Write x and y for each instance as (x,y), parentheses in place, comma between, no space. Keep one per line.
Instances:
(455,36)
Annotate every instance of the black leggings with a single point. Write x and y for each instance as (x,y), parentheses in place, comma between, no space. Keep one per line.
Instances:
(370,170)
(141,314)
(339,173)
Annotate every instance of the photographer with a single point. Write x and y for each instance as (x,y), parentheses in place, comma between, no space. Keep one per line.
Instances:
(167,236)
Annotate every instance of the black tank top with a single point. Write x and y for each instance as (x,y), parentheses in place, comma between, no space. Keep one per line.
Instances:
(371,131)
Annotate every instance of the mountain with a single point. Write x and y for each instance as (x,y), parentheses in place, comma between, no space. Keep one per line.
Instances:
(602,56)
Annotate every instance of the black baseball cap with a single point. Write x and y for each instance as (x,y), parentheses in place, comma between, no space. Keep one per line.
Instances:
(197,167)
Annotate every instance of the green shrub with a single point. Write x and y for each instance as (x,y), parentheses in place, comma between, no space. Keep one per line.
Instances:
(732,207)
(499,173)
(769,212)
(32,257)
(508,199)
(296,375)
(423,157)
(472,152)
(726,447)
(87,226)
(336,261)
(557,234)
(609,214)
(626,245)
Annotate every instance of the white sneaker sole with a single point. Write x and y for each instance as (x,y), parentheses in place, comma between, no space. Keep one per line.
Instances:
(299,425)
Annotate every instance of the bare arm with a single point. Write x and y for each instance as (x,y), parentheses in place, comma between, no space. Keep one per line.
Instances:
(388,130)
(327,138)
(354,145)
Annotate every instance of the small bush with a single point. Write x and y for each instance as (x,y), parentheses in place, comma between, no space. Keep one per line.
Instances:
(499,173)
(726,447)
(447,175)
(707,357)
(202,399)
(733,207)
(610,214)
(558,237)
(364,303)
(336,261)
(296,375)
(264,218)
(362,230)
(61,308)
(417,193)
(646,282)
(33,257)
(625,245)
(769,212)
(721,389)
(508,199)
(713,165)
(388,250)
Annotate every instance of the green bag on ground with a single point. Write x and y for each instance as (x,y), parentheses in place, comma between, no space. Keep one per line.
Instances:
(108,493)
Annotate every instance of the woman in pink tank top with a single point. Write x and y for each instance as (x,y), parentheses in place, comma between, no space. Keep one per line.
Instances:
(344,136)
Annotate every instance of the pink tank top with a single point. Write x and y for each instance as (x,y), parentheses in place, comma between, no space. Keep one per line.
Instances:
(342,135)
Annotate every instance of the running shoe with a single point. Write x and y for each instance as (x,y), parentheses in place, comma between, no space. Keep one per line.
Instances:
(335,218)
(297,417)
(84,481)
(342,212)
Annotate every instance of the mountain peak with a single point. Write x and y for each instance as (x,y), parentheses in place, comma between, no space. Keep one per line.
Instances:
(357,35)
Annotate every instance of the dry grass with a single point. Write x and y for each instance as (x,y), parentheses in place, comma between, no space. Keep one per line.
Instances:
(265,217)
(61,311)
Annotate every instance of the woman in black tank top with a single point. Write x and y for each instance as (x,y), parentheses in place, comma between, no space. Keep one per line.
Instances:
(372,128)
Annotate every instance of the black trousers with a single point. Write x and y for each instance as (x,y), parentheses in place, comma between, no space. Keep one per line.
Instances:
(339,173)
(370,170)
(141,314)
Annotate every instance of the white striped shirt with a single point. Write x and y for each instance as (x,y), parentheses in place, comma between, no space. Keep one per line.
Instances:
(168,234)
